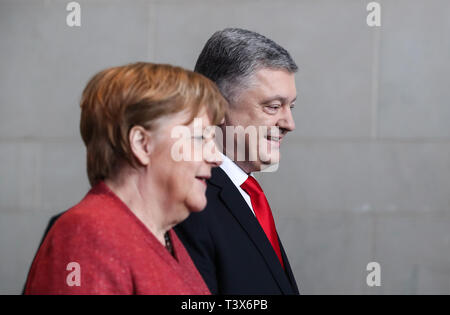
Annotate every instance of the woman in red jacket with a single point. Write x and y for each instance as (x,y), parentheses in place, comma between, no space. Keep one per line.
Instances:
(119,238)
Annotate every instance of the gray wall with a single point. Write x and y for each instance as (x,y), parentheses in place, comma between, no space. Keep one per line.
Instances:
(365,177)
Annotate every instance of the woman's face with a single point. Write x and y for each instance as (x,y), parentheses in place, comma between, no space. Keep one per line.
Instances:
(182,182)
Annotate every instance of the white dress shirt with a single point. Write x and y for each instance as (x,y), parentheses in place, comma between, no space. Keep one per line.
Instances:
(237,176)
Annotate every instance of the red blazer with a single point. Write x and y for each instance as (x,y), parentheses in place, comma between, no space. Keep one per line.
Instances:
(115,253)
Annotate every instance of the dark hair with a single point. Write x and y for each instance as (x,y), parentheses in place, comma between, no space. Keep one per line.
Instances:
(116,99)
(233,55)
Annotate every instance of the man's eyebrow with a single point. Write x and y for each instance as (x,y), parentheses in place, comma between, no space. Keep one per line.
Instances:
(282,99)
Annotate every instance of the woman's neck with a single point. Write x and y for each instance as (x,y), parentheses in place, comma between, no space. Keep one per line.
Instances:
(140,200)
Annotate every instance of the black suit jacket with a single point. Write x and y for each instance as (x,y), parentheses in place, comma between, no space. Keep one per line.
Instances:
(229,247)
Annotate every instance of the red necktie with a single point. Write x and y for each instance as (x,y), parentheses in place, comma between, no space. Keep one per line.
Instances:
(263,213)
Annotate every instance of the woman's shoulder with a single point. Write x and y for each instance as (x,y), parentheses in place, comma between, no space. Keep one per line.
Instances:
(97,215)
(85,235)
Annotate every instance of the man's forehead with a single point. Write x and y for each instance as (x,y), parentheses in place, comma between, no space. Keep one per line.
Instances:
(272,84)
(270,72)
(280,98)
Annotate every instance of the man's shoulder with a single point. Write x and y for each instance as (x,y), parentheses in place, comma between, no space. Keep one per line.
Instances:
(220,180)
(221,194)
(210,215)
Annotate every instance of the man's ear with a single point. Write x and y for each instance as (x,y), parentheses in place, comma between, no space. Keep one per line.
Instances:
(141,143)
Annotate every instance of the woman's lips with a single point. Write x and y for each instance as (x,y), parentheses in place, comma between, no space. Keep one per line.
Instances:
(202,179)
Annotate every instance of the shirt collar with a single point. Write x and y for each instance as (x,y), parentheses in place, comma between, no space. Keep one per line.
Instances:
(234,172)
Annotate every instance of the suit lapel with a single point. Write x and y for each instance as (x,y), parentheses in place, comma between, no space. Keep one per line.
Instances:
(289,272)
(233,200)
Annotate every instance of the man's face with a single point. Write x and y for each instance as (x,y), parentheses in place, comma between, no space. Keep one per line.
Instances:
(266,103)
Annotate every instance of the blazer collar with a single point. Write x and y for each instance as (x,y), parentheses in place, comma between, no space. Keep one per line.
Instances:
(234,172)
(239,209)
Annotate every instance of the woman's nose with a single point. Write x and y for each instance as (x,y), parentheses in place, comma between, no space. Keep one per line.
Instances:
(213,156)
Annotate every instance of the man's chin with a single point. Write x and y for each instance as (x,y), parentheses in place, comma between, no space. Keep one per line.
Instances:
(269,168)
(270,159)
(267,164)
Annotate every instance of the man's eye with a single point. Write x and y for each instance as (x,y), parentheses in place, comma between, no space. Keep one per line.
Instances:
(273,107)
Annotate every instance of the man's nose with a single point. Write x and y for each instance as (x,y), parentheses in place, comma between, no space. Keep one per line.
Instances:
(286,121)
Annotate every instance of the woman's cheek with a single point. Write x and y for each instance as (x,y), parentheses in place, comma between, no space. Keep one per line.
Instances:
(196,198)
(199,202)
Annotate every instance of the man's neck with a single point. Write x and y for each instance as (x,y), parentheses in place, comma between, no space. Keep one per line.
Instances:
(247,166)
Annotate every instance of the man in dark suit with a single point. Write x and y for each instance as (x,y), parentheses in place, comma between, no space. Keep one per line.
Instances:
(234,242)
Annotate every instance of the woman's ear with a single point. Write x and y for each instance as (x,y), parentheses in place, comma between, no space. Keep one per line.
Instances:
(141,144)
